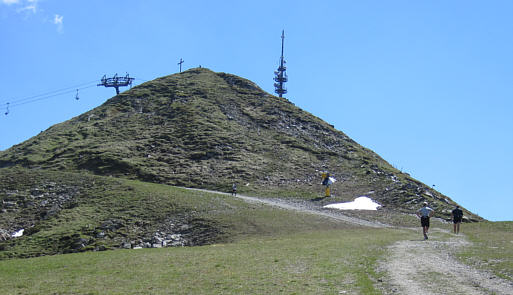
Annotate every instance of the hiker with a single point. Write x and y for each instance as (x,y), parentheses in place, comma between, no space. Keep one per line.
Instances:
(457,216)
(234,189)
(326,181)
(425,213)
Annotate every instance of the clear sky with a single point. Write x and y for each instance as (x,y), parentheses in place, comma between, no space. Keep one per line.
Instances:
(428,85)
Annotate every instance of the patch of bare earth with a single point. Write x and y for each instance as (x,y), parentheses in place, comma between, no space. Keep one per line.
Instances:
(429,267)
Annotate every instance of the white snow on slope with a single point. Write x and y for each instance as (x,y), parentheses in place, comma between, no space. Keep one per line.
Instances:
(360,203)
(18,233)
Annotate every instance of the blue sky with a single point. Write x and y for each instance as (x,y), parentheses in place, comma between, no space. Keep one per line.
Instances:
(428,85)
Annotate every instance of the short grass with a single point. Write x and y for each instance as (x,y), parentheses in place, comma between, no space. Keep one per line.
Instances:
(314,262)
(139,208)
(492,247)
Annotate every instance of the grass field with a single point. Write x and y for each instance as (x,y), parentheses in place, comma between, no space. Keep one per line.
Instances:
(125,210)
(304,261)
(257,249)
(321,262)
(492,247)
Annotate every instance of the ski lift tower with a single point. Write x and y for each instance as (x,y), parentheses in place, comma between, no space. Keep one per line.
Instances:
(116,82)
(280,75)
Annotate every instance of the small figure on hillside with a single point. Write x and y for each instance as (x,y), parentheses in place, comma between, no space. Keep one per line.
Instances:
(457,216)
(425,213)
(234,189)
(327,181)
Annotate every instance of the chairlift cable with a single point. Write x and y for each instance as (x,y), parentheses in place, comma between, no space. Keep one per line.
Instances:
(9,104)
(47,97)
(51,92)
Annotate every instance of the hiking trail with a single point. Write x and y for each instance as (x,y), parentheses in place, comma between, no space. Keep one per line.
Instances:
(413,266)
(429,267)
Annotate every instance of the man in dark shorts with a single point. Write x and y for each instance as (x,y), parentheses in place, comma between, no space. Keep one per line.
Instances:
(457,216)
(425,213)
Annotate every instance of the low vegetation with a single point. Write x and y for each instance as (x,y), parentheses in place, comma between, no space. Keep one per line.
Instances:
(337,261)
(64,212)
(302,261)
(492,247)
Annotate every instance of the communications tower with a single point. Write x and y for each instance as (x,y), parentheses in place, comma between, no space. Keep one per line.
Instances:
(280,74)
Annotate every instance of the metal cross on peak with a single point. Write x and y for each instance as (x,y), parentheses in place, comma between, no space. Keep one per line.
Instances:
(180,63)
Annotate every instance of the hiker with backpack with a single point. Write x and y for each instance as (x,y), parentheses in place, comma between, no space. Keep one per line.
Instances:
(425,213)
(457,216)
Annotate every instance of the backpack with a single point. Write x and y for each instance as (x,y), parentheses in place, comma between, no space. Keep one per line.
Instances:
(457,213)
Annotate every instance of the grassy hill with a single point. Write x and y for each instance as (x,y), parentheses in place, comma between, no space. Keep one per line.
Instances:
(103,180)
(115,178)
(209,130)
(69,212)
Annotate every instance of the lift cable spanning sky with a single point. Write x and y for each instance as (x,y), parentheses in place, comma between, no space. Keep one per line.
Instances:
(7,106)
(280,75)
(116,82)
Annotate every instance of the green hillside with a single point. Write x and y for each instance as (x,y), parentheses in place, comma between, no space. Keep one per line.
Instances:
(209,130)
(104,179)
(68,212)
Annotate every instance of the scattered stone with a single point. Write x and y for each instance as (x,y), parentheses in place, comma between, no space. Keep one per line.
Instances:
(79,244)
(4,235)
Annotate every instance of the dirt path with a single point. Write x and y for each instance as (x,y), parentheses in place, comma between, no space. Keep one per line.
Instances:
(414,266)
(429,267)
(303,207)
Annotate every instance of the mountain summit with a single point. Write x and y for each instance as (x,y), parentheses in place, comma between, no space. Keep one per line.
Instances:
(209,130)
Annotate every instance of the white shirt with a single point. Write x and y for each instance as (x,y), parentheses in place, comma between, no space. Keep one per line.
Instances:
(425,211)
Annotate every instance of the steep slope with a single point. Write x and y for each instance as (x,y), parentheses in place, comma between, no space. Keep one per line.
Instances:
(209,130)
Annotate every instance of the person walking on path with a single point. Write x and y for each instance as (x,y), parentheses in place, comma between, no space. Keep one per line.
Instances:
(234,189)
(457,216)
(425,213)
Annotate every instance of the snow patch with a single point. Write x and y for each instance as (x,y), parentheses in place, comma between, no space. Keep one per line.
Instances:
(360,203)
(18,233)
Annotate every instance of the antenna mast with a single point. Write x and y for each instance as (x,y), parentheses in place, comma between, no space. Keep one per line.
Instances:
(280,74)
(116,82)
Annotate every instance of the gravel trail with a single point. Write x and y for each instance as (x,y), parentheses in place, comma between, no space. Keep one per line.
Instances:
(305,208)
(429,267)
(414,266)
